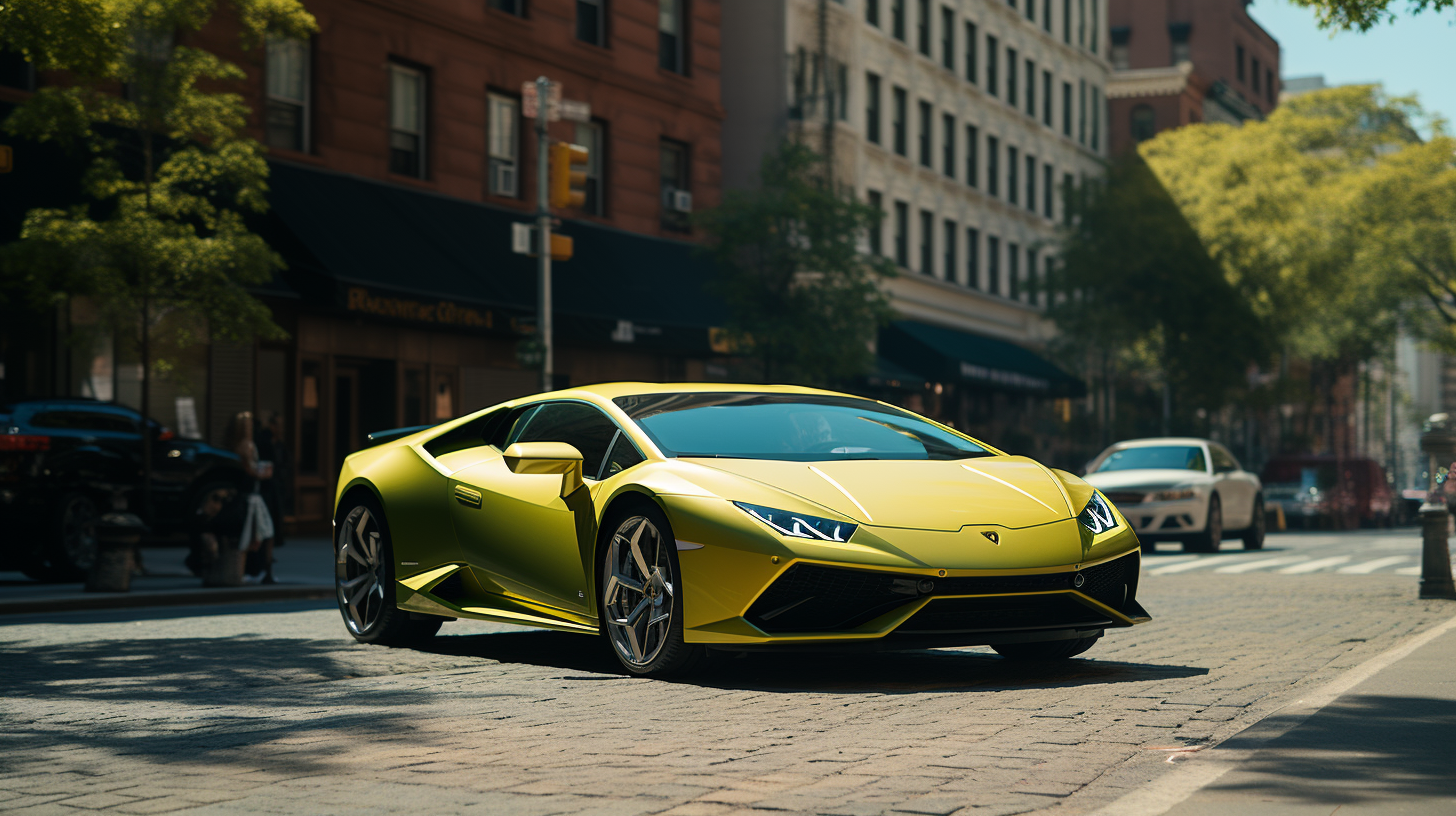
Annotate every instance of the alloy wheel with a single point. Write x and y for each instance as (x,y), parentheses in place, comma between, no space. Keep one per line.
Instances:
(78,532)
(638,597)
(359,570)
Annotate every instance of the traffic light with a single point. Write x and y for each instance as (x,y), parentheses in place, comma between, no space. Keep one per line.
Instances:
(568,183)
(7,159)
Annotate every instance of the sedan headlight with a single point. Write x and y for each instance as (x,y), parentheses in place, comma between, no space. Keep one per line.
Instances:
(1097,516)
(798,525)
(1172,495)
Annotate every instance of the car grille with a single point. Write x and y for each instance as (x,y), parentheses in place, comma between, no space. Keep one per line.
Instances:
(814,598)
(998,614)
(1125,496)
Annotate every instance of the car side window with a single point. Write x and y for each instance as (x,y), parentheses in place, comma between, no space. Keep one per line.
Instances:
(472,434)
(577,424)
(623,455)
(1196,462)
(1223,461)
(515,423)
(85,421)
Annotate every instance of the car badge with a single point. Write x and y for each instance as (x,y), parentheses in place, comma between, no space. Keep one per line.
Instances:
(995,539)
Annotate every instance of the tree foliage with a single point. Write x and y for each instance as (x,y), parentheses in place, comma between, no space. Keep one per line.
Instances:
(805,302)
(1362,15)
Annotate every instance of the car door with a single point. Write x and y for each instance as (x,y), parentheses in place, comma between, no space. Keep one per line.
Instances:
(517,528)
(1235,487)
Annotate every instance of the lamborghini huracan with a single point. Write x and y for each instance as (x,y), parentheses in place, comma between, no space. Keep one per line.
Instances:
(674,519)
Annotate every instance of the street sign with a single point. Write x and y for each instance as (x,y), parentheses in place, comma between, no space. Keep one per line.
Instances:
(7,159)
(574,110)
(530,106)
(526,240)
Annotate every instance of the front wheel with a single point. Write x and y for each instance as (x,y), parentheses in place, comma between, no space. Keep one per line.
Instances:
(1208,540)
(70,549)
(641,595)
(364,581)
(1046,649)
(1254,535)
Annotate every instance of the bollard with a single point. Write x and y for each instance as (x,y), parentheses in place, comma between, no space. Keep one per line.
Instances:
(1435,552)
(117,537)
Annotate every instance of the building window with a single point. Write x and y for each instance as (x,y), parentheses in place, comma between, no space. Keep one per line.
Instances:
(1144,123)
(1048,187)
(1032,284)
(406,121)
(1012,159)
(592,136)
(671,42)
(1269,86)
(1067,21)
(1254,75)
(922,26)
(505,146)
(927,243)
(591,21)
(1031,89)
(841,92)
(1096,118)
(1011,68)
(1046,98)
(872,108)
(993,264)
(973,258)
(897,19)
(993,165)
(1067,109)
(1177,36)
(675,182)
(898,124)
(1067,189)
(1239,61)
(948,145)
(1031,10)
(973,136)
(516,7)
(286,115)
(1081,22)
(1096,27)
(1031,183)
(1046,16)
(947,37)
(877,242)
(902,234)
(1013,270)
(971,52)
(925,137)
(1082,111)
(872,12)
(991,57)
(951,264)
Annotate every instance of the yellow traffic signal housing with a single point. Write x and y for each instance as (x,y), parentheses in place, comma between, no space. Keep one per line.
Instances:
(568,183)
(7,159)
(562,247)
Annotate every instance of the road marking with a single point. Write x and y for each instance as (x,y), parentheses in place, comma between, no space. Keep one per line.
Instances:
(1200,561)
(1371,566)
(1253,565)
(1408,571)
(1165,561)
(1311,566)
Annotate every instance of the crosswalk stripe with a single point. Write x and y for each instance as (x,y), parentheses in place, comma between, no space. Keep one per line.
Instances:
(1311,566)
(1163,561)
(1408,571)
(1198,562)
(1253,565)
(1371,566)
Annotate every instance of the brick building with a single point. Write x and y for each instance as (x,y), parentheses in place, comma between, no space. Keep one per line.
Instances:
(1177,62)
(400,160)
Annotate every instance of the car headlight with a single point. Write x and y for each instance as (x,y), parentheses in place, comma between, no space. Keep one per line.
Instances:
(1172,495)
(1097,516)
(798,525)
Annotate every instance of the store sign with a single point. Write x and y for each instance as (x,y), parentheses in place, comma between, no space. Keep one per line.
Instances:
(442,312)
(1007,378)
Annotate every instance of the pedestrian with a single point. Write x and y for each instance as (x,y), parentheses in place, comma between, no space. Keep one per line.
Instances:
(272,448)
(256,537)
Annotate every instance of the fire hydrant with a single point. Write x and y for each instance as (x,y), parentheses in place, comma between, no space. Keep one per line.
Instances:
(1438,442)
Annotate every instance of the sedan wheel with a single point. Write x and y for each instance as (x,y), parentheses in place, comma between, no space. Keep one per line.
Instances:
(364,582)
(71,548)
(1254,535)
(1208,540)
(641,603)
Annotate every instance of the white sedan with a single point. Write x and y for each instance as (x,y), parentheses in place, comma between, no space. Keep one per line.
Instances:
(1181,489)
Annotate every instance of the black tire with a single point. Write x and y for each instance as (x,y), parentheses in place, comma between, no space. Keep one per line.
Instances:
(1254,535)
(625,596)
(1208,540)
(1046,649)
(69,549)
(364,579)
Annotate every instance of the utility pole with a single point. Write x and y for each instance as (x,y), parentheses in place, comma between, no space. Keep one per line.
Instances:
(543,231)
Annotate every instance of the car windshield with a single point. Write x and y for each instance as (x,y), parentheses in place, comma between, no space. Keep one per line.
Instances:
(1155,457)
(790,427)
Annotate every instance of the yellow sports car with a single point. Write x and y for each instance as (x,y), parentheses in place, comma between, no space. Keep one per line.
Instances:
(674,519)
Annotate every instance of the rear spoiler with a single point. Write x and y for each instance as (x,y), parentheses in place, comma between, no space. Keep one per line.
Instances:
(380,437)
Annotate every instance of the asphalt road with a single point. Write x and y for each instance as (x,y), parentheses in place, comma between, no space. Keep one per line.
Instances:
(273,709)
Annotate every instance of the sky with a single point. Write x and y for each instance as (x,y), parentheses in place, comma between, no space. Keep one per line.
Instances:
(1416,54)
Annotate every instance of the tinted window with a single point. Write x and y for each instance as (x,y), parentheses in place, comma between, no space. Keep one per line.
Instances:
(508,431)
(790,427)
(1223,461)
(577,424)
(624,455)
(85,421)
(1158,457)
(472,434)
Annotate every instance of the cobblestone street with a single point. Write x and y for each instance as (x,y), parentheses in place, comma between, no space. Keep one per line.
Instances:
(273,709)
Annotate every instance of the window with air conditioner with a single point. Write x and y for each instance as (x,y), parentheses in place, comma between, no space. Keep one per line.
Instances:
(592,136)
(505,146)
(406,121)
(677,201)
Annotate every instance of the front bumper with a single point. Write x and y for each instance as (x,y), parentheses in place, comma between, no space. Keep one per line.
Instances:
(1166,518)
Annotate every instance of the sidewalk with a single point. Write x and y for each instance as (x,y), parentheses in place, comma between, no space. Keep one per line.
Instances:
(304,569)
(1384,747)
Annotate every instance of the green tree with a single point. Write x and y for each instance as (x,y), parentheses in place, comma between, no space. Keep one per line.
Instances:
(805,302)
(1364,14)
(171,174)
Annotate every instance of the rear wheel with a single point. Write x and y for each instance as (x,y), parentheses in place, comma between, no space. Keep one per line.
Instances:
(70,549)
(1046,649)
(1208,540)
(1254,535)
(641,596)
(364,579)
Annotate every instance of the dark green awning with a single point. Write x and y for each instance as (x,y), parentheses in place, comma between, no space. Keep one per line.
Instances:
(948,355)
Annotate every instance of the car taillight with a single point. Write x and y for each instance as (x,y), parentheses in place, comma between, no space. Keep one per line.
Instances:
(21,443)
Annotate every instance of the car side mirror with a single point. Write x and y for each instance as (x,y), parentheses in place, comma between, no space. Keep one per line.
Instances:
(547,458)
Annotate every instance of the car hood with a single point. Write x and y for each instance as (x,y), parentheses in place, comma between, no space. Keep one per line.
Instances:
(1118,479)
(1009,491)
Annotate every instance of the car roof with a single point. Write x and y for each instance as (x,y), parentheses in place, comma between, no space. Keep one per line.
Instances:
(614,390)
(1161,440)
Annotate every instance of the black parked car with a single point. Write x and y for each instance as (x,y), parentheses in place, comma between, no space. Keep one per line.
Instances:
(64,462)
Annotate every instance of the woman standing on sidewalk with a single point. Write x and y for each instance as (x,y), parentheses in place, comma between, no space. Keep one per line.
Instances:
(257,533)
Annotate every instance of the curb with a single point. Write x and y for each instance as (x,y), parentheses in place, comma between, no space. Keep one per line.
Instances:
(187,597)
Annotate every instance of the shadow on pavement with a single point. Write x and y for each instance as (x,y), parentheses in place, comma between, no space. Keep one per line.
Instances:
(841,672)
(1358,749)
